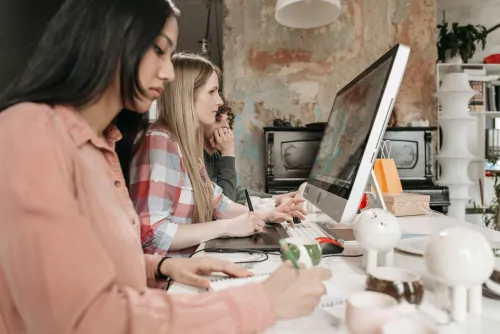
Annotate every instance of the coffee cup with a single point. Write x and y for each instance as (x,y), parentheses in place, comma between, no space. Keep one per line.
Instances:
(402,284)
(305,250)
(493,283)
(368,311)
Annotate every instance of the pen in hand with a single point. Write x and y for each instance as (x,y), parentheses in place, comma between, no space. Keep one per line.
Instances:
(289,253)
(249,202)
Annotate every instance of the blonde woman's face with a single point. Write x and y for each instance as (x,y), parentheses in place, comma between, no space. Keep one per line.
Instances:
(207,101)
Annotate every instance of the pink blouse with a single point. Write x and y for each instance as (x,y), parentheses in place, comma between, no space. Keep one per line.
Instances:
(70,253)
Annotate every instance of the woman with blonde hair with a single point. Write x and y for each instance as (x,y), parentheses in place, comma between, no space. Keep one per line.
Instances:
(178,205)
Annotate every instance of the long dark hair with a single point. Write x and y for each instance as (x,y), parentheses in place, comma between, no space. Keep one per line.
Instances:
(84,46)
(130,124)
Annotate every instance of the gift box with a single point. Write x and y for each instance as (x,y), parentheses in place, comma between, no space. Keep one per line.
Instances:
(407,204)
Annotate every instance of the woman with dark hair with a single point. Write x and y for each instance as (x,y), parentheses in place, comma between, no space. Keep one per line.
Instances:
(219,156)
(70,254)
(130,124)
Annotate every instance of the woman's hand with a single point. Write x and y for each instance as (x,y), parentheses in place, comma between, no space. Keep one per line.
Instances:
(285,212)
(280,199)
(294,293)
(243,225)
(223,141)
(188,271)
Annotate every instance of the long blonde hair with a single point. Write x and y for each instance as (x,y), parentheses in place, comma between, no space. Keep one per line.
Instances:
(176,112)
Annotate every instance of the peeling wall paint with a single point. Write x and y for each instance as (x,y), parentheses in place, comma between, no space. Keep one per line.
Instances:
(298,72)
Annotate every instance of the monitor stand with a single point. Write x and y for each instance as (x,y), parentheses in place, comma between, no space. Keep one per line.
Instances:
(375,199)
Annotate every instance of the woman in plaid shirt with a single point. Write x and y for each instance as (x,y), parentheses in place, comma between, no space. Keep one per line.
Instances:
(169,186)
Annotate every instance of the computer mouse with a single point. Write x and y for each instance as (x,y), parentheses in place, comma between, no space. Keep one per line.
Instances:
(296,220)
(330,246)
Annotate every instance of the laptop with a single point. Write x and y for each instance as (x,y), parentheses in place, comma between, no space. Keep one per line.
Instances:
(267,241)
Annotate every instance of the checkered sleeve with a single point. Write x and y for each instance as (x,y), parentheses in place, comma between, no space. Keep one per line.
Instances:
(221,202)
(156,183)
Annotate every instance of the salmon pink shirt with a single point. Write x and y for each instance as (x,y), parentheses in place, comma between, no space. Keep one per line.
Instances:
(70,254)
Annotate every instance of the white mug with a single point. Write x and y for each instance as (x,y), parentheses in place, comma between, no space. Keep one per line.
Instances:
(368,311)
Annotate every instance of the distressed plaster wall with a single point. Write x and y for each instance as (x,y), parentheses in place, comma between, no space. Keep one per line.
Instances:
(298,72)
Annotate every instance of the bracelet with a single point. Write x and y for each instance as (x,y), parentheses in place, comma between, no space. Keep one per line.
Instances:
(159,275)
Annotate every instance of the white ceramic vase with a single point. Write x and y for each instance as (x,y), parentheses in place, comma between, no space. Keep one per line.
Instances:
(454,156)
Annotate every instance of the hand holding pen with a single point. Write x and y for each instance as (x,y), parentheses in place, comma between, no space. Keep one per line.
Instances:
(294,293)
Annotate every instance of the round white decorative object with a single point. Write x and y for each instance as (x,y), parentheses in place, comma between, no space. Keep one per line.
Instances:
(377,232)
(376,223)
(459,256)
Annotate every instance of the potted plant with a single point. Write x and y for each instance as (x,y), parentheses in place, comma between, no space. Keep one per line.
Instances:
(460,40)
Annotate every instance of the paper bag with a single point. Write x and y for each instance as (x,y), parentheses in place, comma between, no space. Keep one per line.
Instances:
(387,176)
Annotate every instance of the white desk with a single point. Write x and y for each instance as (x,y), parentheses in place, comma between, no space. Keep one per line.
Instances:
(330,320)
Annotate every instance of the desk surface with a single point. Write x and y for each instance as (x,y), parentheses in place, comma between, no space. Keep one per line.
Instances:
(331,320)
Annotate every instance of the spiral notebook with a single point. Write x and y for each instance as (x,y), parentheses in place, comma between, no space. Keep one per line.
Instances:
(338,288)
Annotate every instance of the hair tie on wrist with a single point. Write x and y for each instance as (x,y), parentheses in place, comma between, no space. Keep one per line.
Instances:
(159,275)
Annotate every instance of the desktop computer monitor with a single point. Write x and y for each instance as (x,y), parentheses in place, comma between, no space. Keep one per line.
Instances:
(352,137)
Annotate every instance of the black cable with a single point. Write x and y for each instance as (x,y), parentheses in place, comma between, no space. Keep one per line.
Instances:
(238,250)
(209,14)
(251,251)
(191,255)
(254,261)
(242,250)
(341,255)
(205,41)
(218,35)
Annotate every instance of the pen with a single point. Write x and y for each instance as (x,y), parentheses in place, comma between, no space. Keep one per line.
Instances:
(289,253)
(249,202)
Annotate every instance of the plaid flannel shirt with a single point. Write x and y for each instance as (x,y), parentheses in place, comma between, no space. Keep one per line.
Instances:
(162,193)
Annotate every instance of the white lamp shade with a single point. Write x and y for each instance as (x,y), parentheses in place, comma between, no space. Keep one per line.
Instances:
(306,14)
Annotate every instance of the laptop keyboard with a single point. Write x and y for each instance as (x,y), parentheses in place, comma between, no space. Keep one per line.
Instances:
(307,230)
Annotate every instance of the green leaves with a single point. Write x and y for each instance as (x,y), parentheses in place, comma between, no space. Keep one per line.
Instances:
(460,40)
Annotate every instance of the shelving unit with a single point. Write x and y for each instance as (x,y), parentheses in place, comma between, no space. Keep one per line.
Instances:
(475,134)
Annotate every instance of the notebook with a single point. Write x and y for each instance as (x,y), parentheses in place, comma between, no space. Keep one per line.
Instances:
(338,288)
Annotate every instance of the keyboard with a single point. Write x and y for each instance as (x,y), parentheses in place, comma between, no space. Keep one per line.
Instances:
(307,230)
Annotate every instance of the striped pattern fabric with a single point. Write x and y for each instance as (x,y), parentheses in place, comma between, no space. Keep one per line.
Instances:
(162,193)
